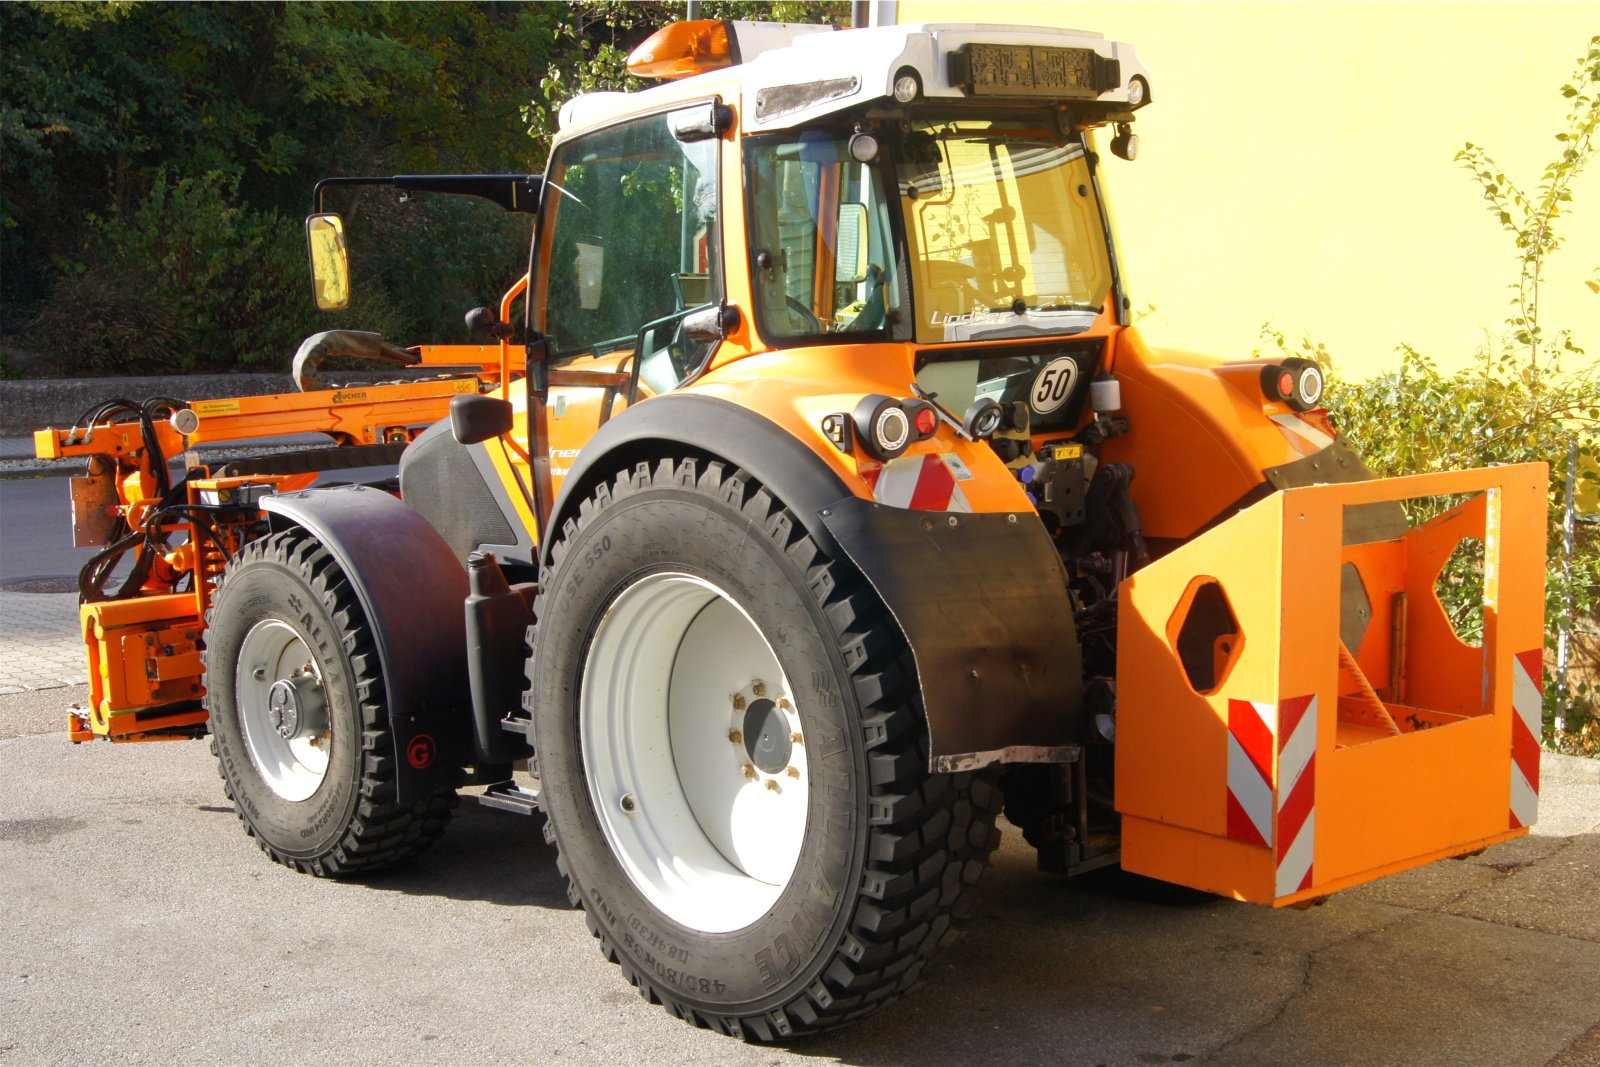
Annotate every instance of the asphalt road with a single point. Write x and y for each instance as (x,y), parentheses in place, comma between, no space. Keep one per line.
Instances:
(141,925)
(36,524)
(36,530)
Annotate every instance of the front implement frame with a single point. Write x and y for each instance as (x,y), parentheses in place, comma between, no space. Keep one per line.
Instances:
(1341,729)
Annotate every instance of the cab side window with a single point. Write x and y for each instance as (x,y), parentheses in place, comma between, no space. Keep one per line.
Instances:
(629,238)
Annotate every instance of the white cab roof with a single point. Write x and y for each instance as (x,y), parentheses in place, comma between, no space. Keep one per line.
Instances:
(794,74)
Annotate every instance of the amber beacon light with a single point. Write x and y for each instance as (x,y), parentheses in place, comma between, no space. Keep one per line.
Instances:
(682,49)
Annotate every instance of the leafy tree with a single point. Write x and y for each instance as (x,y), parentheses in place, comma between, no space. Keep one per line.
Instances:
(104,103)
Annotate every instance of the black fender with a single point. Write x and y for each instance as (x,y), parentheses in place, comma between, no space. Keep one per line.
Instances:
(411,587)
(982,599)
(693,423)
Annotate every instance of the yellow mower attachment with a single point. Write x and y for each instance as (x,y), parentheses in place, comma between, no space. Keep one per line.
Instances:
(1297,714)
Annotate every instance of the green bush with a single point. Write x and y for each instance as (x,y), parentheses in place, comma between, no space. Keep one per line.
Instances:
(190,279)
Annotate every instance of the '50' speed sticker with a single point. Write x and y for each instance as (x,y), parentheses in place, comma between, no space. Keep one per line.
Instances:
(1053,385)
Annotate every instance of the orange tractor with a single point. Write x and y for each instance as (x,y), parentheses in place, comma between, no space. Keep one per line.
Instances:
(820,496)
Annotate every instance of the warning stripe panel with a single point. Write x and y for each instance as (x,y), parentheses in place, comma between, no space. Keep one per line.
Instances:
(1527,702)
(1272,785)
(1297,793)
(1249,803)
(1302,436)
(922,482)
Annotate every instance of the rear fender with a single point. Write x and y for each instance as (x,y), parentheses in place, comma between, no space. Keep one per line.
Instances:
(981,598)
(411,587)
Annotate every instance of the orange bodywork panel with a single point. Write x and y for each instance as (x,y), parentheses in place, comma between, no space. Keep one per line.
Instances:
(1297,715)
(1211,415)
(144,670)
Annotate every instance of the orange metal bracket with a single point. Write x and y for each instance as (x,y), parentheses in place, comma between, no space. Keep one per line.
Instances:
(1274,788)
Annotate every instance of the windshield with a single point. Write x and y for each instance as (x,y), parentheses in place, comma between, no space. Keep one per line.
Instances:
(1004,227)
(1000,217)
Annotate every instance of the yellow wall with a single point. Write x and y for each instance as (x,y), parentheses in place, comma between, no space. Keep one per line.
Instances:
(1296,165)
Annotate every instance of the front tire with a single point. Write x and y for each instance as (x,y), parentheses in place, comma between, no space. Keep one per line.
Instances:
(299,723)
(734,764)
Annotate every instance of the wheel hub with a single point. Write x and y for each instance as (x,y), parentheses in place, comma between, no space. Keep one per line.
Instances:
(283,709)
(695,752)
(767,736)
(296,707)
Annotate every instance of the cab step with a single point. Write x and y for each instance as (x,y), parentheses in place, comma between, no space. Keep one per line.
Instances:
(508,796)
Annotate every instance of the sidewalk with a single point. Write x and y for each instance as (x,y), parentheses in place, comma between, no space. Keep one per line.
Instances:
(39,643)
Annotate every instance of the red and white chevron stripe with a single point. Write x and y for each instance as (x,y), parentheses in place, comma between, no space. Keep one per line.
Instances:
(1303,436)
(1275,810)
(1250,735)
(1527,701)
(1297,801)
(923,482)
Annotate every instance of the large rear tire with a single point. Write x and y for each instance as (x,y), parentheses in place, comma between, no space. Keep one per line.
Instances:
(299,723)
(734,764)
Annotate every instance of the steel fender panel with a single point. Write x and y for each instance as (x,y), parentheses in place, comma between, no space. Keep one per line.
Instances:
(705,424)
(983,601)
(412,588)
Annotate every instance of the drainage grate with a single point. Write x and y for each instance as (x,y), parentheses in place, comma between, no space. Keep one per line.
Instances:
(40,585)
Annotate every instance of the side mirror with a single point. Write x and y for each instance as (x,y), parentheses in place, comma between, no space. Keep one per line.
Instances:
(475,417)
(330,263)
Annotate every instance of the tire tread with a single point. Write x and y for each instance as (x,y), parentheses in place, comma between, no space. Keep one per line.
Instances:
(382,832)
(928,837)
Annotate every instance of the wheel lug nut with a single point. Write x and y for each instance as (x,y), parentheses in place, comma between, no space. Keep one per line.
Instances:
(758,687)
(772,784)
(793,772)
(749,771)
(738,702)
(736,737)
(783,702)
(796,738)
(629,804)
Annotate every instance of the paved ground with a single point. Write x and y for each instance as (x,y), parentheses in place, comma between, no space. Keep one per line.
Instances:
(39,643)
(141,925)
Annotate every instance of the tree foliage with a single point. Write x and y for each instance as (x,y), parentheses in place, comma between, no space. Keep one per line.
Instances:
(135,136)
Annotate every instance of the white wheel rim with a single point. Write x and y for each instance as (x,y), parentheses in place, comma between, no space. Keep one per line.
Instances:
(707,827)
(283,709)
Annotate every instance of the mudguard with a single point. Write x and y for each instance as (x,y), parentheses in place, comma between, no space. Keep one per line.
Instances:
(671,424)
(981,598)
(411,587)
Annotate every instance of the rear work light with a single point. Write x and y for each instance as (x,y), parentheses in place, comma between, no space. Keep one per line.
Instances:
(1296,382)
(885,427)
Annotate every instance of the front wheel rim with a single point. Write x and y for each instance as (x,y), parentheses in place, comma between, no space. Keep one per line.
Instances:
(694,752)
(283,710)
